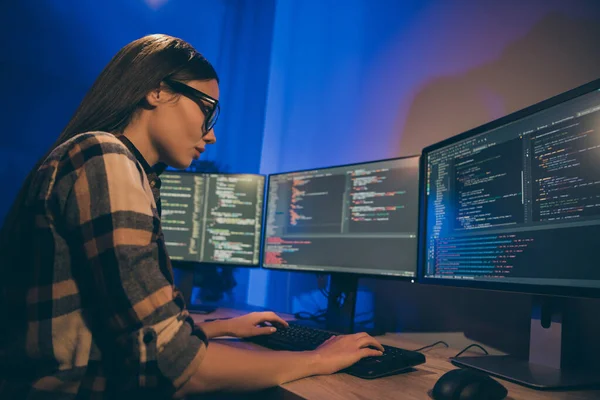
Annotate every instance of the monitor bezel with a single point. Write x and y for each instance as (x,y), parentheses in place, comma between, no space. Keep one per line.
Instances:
(552,290)
(190,264)
(329,271)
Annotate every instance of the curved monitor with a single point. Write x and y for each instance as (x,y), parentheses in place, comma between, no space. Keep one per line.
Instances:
(359,219)
(212,218)
(515,204)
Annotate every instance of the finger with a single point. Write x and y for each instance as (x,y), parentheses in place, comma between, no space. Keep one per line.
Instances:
(362,335)
(277,319)
(267,330)
(272,317)
(370,341)
(370,353)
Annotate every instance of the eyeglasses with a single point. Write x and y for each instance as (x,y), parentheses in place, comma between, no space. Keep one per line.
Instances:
(211,114)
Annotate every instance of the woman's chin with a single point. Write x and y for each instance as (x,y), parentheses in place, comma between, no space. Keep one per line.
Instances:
(180,164)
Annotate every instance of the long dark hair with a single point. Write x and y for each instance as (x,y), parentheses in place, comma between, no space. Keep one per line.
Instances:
(111,103)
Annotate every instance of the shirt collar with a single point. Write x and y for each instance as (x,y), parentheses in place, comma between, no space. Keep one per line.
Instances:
(151,172)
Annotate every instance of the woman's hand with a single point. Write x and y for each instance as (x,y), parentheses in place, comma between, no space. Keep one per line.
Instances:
(339,352)
(244,326)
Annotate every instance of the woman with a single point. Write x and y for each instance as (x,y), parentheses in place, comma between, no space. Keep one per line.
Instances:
(89,287)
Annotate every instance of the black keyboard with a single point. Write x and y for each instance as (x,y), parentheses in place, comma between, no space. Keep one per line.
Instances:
(301,338)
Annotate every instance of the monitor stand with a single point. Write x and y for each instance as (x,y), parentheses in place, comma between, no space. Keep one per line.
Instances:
(548,344)
(341,305)
(185,284)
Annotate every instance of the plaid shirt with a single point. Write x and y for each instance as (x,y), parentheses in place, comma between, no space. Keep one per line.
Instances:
(103,318)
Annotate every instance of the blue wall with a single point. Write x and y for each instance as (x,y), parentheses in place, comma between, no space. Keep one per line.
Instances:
(361,80)
(52,51)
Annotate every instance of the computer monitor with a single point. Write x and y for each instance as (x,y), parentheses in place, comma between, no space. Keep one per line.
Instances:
(348,221)
(515,205)
(212,218)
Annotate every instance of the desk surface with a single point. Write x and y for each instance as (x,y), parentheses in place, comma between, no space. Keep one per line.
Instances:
(410,386)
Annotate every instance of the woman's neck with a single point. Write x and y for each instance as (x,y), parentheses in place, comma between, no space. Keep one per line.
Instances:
(137,133)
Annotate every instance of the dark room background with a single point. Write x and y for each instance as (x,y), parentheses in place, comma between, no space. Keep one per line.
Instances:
(308,83)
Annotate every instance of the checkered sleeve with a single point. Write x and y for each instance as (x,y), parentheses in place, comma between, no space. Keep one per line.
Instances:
(145,337)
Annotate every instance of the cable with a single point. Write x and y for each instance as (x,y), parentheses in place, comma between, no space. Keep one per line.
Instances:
(324,292)
(432,345)
(322,282)
(319,316)
(468,347)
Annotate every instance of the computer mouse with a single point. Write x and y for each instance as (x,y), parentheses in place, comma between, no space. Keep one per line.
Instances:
(467,384)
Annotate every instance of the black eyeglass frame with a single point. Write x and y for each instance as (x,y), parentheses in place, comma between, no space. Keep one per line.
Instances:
(211,114)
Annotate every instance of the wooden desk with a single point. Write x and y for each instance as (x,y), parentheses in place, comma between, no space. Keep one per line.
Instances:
(410,386)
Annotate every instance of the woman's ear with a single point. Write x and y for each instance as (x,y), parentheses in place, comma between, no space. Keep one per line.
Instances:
(155,97)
